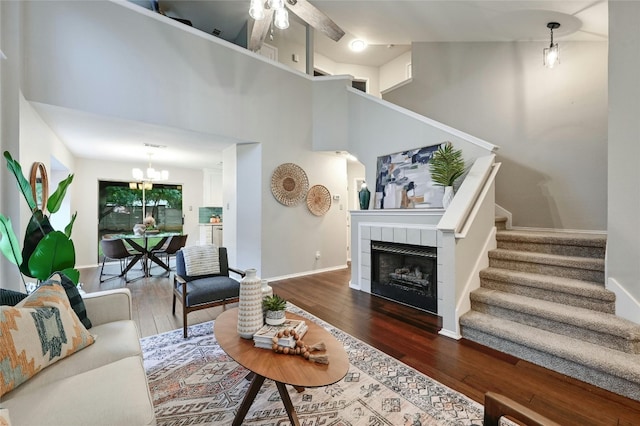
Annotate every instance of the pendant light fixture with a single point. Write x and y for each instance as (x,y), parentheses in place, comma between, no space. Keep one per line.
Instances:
(550,55)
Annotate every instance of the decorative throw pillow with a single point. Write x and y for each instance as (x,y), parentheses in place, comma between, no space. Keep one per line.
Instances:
(39,331)
(11,298)
(77,304)
(4,417)
(201,260)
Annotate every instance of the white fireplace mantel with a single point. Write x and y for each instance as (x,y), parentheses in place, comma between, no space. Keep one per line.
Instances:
(415,227)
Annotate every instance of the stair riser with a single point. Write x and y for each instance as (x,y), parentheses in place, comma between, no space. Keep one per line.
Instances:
(559,249)
(591,336)
(501,224)
(550,295)
(553,270)
(582,372)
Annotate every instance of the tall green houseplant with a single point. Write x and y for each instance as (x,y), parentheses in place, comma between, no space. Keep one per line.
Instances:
(45,250)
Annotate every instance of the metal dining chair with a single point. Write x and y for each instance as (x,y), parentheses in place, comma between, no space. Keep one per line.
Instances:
(175,243)
(115,249)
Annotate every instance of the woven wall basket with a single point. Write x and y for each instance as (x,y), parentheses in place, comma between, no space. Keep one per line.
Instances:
(318,200)
(289,184)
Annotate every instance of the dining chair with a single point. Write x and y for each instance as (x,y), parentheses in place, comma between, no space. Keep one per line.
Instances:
(115,249)
(202,280)
(170,248)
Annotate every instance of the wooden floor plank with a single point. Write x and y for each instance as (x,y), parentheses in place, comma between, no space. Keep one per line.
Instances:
(409,335)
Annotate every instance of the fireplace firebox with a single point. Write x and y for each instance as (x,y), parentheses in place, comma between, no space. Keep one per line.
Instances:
(405,273)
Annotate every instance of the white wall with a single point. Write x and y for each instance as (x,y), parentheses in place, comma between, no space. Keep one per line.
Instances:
(394,71)
(10,76)
(623,249)
(551,125)
(358,72)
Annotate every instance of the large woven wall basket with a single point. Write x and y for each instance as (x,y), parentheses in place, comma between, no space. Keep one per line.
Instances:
(289,184)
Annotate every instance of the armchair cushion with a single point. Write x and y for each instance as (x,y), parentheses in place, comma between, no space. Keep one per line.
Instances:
(205,290)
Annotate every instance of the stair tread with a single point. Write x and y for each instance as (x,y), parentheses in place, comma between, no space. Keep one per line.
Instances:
(620,364)
(549,259)
(565,285)
(550,237)
(576,316)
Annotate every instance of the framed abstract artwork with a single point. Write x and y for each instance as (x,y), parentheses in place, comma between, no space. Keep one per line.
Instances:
(403,181)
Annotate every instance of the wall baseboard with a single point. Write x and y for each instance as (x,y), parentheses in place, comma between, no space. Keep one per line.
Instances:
(303,274)
(627,306)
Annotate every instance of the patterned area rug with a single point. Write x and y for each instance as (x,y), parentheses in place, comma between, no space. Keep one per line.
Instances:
(194,382)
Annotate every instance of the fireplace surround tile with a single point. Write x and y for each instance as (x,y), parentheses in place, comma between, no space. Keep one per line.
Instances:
(414,236)
(428,238)
(387,235)
(376,233)
(365,232)
(400,235)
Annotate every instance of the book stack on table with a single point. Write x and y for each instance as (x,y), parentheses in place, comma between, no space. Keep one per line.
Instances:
(263,338)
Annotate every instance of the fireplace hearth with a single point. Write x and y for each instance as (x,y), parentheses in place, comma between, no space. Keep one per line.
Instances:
(405,273)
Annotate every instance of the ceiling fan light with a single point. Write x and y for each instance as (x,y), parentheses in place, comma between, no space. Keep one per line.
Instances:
(281,19)
(276,4)
(256,9)
(358,45)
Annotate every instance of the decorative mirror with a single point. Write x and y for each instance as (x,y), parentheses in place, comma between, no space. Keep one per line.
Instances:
(39,185)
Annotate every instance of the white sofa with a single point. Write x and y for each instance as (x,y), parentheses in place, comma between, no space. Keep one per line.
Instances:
(103,384)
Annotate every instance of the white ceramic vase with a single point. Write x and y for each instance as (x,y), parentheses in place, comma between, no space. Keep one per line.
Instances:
(250,317)
(447,197)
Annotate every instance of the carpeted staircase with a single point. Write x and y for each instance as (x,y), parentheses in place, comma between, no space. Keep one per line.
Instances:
(543,299)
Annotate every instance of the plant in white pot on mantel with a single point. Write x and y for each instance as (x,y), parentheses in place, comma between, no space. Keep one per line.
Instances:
(274,308)
(446,166)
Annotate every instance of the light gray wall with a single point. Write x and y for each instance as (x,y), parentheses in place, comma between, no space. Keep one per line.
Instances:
(551,125)
(623,249)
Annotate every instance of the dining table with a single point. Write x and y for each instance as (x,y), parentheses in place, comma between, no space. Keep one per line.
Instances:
(143,251)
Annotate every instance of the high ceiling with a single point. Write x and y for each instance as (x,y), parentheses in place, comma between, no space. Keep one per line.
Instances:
(388,27)
(386,23)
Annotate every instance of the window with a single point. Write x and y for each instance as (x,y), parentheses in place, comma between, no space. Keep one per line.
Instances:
(120,207)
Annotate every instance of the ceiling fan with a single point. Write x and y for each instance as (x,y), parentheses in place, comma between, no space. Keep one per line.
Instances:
(302,8)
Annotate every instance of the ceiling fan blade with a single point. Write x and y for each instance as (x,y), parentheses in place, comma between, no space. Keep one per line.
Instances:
(260,30)
(314,17)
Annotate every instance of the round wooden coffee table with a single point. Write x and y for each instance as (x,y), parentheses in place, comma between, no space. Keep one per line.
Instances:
(282,369)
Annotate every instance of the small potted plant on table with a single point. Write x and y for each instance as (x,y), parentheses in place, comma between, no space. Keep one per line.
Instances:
(274,308)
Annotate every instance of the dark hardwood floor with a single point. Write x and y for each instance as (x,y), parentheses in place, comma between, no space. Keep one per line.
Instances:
(408,335)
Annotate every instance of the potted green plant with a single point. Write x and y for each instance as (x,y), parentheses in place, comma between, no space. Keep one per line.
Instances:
(274,308)
(446,166)
(45,250)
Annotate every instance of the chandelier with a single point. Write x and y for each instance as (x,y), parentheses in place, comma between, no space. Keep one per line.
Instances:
(280,15)
(151,175)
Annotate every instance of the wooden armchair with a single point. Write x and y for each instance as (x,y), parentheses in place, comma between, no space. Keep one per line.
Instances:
(202,280)
(497,406)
